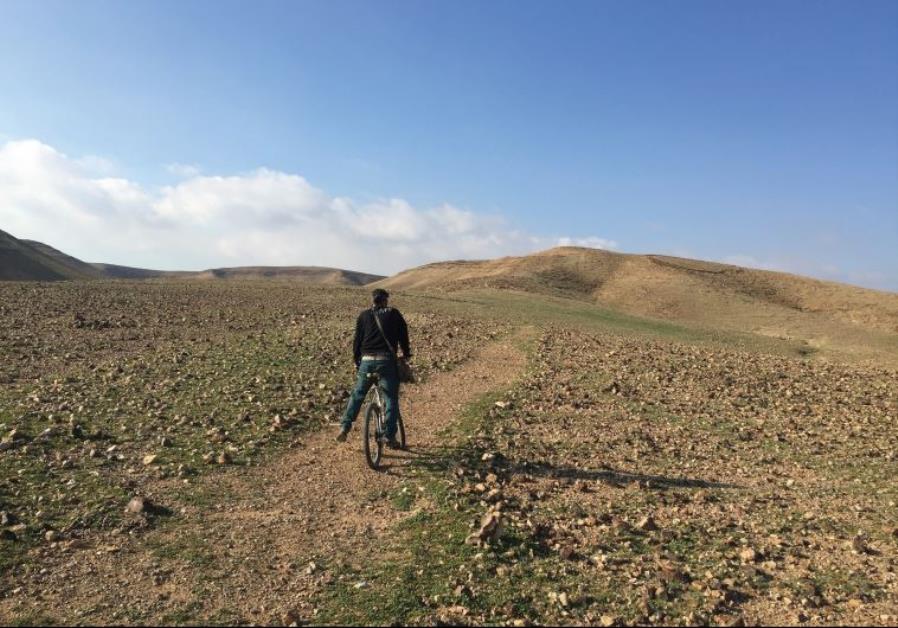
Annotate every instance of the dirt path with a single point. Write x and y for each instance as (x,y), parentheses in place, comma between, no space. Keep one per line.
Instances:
(257,544)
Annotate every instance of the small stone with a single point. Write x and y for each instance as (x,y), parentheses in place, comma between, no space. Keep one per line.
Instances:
(137,505)
(149,459)
(291,618)
(7,519)
(748,555)
(859,543)
(647,524)
(52,536)
(607,620)
(224,458)
(490,529)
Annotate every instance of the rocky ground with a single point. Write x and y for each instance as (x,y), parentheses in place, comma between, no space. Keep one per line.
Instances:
(105,388)
(657,482)
(559,473)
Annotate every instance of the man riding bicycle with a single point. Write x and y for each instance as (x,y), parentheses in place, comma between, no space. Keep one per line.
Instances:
(378,330)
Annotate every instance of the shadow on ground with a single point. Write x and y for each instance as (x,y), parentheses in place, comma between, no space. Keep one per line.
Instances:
(442,458)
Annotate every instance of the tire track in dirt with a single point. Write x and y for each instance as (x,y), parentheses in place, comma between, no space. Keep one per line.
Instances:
(246,558)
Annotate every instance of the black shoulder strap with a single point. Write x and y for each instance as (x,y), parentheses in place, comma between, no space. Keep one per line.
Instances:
(382,334)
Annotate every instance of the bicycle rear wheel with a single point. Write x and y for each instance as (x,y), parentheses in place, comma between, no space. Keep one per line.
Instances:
(374,445)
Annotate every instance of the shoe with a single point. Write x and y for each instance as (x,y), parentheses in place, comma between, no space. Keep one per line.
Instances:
(342,436)
(392,443)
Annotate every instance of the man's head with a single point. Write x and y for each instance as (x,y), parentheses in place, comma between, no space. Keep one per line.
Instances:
(380,297)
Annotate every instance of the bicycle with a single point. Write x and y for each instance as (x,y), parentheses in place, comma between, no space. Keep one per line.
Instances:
(376,426)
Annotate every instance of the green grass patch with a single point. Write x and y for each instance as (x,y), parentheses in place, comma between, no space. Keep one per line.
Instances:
(33,619)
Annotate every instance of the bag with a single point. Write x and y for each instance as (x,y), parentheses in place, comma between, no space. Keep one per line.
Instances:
(406,375)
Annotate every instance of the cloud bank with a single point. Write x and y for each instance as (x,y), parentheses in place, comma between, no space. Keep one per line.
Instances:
(261,217)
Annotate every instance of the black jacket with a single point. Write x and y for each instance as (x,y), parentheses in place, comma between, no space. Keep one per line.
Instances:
(368,338)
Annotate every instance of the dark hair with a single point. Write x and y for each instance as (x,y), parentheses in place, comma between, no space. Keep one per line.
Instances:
(380,295)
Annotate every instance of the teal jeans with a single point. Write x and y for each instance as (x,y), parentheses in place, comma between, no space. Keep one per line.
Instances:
(389,385)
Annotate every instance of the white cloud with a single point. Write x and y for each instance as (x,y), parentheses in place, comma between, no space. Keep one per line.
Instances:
(258,217)
(590,242)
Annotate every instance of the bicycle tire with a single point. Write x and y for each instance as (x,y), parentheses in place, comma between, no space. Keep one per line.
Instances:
(374,446)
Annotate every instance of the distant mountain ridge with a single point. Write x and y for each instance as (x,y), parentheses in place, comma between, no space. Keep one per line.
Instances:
(656,286)
(28,260)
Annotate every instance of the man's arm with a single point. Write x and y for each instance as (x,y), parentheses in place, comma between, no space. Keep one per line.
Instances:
(357,342)
(403,336)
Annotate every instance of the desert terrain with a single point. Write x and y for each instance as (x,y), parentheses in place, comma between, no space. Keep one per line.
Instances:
(586,446)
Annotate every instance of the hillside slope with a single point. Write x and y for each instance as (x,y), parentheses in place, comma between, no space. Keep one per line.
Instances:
(24,260)
(691,291)
(311,274)
(114,271)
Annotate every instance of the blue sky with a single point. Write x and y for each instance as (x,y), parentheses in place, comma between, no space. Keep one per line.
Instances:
(380,134)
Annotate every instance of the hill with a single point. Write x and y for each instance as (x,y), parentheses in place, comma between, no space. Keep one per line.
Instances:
(28,260)
(708,294)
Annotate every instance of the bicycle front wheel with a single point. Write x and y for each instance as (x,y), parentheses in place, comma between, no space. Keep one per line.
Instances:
(374,445)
